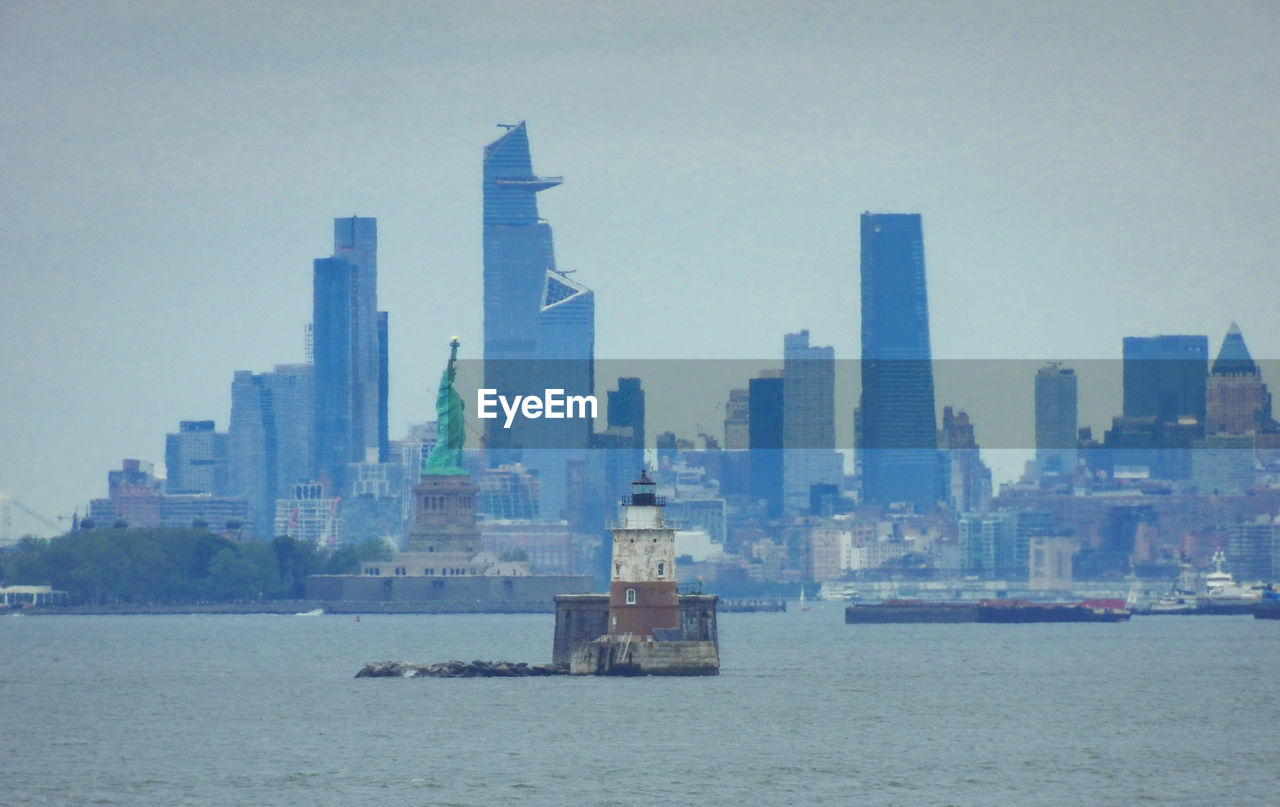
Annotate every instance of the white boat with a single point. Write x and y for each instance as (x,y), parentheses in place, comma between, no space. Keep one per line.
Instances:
(803,607)
(1223,593)
(1182,597)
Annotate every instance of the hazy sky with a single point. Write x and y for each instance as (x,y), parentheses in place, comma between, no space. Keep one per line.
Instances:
(169,170)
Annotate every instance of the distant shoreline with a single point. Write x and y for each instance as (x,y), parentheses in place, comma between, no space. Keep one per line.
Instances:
(293,607)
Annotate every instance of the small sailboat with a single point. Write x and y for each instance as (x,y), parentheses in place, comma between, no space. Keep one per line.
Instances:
(803,607)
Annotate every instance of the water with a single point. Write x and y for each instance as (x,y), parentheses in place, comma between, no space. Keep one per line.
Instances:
(264,710)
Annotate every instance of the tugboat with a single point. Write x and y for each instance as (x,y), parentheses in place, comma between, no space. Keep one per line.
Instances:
(1269,606)
(1181,598)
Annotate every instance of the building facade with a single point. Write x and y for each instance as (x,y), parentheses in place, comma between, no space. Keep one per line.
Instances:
(269,439)
(1164,377)
(1236,400)
(765,439)
(349,349)
(195,459)
(1056,403)
(539,323)
(808,421)
(898,423)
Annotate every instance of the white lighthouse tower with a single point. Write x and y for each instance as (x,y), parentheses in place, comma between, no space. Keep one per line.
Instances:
(642,583)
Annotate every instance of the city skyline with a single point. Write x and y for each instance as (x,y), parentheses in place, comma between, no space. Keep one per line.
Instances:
(1066,209)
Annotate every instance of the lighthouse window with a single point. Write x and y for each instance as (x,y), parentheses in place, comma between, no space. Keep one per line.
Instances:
(662,569)
(631,596)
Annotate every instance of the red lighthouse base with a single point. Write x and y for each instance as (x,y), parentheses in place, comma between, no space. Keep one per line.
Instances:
(638,608)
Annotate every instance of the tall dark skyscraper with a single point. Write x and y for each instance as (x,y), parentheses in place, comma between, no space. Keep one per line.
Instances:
(898,425)
(539,323)
(349,347)
(626,409)
(1056,420)
(1164,377)
(808,421)
(765,439)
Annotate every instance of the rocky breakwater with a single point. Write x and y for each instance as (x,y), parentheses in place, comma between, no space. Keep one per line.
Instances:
(456,669)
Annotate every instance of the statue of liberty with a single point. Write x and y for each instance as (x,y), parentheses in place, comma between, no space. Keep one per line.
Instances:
(446,455)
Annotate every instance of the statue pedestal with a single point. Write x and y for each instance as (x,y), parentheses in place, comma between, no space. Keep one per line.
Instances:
(445,520)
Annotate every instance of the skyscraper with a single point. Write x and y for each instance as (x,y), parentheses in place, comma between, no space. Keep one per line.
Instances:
(270,439)
(349,347)
(1164,377)
(195,459)
(539,323)
(1236,400)
(898,424)
(808,420)
(764,437)
(1056,420)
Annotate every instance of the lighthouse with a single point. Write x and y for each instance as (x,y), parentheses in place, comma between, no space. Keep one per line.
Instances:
(642,584)
(643,626)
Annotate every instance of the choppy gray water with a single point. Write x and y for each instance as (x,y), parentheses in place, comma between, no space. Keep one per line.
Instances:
(264,710)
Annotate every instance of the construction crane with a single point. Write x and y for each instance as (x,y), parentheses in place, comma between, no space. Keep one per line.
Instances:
(6,517)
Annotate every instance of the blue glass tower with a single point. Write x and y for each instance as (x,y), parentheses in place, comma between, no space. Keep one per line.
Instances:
(539,323)
(349,347)
(899,437)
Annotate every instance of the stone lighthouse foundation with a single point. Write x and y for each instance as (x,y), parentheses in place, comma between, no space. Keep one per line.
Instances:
(648,627)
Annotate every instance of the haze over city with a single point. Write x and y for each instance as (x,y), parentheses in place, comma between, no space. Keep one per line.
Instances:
(1085,172)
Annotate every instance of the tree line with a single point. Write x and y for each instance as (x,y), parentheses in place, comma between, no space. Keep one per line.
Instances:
(168,566)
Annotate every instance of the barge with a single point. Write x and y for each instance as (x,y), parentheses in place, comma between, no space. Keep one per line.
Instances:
(986,611)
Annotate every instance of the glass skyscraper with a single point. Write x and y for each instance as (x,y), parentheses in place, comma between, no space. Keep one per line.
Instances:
(898,429)
(270,439)
(1164,376)
(808,421)
(539,323)
(349,347)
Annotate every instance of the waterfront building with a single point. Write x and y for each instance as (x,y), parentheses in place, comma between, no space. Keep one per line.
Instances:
(987,544)
(548,547)
(808,421)
(1050,563)
(997,546)
(221,514)
(1056,397)
(1253,551)
(307,514)
(195,459)
(349,346)
(269,439)
(897,423)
